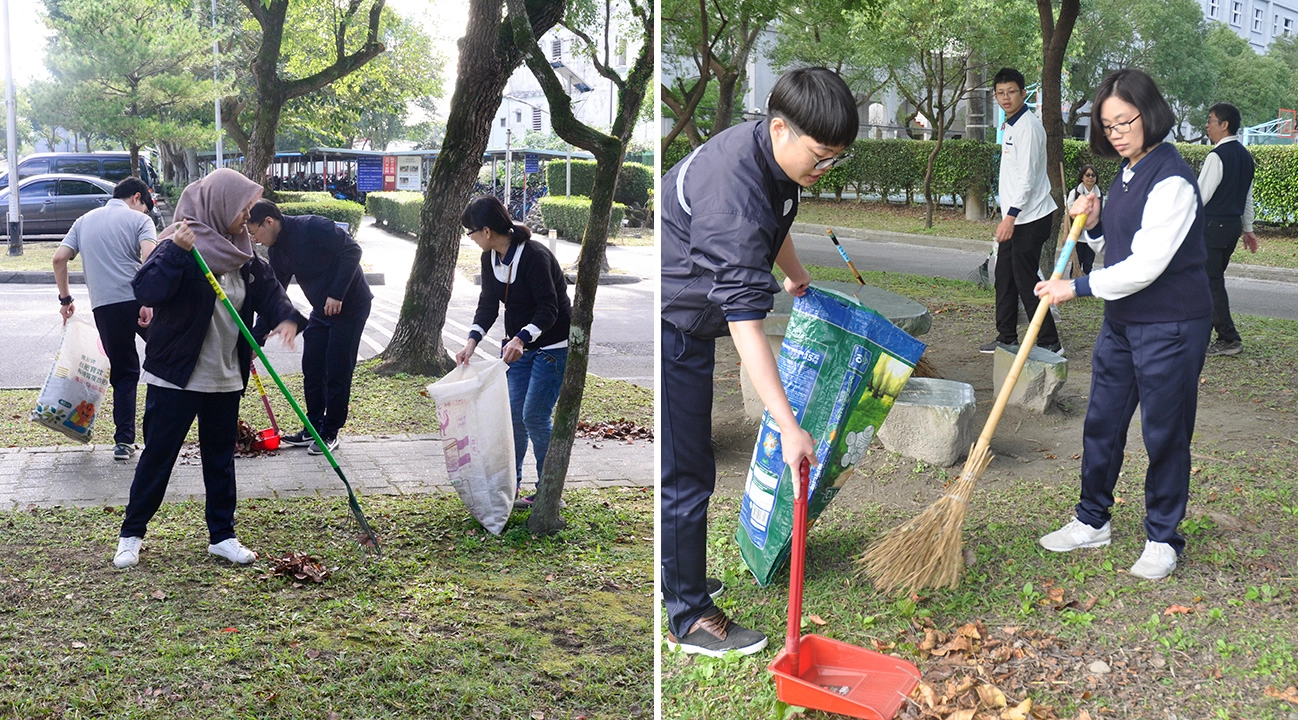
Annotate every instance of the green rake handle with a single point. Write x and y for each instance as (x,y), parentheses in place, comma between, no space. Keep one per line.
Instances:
(247,335)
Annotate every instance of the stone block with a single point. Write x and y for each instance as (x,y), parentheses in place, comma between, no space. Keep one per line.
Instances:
(1040,381)
(932,420)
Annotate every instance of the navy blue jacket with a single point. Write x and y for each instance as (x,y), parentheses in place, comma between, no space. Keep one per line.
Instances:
(1181,291)
(726,210)
(325,259)
(171,283)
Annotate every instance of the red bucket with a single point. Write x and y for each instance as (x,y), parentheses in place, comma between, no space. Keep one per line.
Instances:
(267,439)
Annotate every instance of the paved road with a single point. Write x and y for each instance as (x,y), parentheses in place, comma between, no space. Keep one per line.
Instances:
(1249,294)
(622,337)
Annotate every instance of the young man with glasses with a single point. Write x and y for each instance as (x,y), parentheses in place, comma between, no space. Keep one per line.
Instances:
(726,215)
(1026,205)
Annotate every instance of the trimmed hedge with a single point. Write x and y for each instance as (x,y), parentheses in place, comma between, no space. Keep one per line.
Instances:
(633,181)
(336,210)
(398,211)
(570,215)
(300,196)
(891,167)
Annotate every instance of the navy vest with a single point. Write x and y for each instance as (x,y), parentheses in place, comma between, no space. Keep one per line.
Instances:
(1181,292)
(1227,202)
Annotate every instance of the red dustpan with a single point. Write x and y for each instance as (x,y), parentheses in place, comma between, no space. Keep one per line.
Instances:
(822,674)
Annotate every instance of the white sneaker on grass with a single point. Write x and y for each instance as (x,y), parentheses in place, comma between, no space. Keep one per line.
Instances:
(128,552)
(231,549)
(1076,535)
(1156,562)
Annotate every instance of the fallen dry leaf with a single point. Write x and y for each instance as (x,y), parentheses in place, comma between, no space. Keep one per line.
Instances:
(1055,595)
(1019,712)
(300,566)
(158,595)
(965,714)
(229,630)
(1083,715)
(925,695)
(817,620)
(991,696)
(79,645)
(1289,695)
(1178,610)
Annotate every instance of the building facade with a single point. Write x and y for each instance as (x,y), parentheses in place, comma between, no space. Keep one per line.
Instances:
(1260,22)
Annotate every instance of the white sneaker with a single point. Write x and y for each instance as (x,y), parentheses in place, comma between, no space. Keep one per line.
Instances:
(1076,535)
(1157,562)
(128,552)
(231,549)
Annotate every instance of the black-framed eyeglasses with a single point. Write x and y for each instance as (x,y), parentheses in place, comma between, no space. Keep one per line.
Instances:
(1121,128)
(821,163)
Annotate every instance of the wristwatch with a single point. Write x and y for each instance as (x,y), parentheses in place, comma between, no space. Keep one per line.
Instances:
(65,299)
(1072,285)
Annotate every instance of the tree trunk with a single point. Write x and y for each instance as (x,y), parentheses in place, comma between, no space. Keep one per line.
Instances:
(929,202)
(135,159)
(1054,43)
(488,56)
(609,151)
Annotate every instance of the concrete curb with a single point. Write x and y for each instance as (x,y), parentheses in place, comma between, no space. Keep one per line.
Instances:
(1240,270)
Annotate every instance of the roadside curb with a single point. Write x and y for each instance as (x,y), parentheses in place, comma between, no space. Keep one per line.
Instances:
(1239,270)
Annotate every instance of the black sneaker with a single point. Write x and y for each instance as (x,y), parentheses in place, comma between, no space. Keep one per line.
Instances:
(123,451)
(990,347)
(714,587)
(1225,348)
(331,443)
(715,635)
(301,438)
(1056,348)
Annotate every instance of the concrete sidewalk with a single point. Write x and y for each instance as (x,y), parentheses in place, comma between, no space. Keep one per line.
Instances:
(389,465)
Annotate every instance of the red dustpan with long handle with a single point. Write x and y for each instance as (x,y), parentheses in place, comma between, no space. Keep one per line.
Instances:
(822,674)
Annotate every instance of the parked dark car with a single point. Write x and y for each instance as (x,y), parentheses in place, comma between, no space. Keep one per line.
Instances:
(111,166)
(51,203)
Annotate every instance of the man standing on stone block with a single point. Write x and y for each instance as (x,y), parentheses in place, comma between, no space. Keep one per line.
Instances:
(114,241)
(1027,205)
(1226,184)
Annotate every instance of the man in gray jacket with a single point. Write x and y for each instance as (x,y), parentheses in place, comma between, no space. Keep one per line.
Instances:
(114,241)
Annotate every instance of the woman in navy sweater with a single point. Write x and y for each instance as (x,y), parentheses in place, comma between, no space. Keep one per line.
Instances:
(1157,321)
(521,274)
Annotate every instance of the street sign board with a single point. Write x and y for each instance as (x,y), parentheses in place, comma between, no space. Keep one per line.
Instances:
(369,174)
(531,163)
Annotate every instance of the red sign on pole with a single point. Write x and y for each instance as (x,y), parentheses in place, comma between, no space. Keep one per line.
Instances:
(389,172)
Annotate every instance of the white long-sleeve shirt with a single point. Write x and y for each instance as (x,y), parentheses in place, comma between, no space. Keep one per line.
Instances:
(1210,179)
(1166,220)
(1024,184)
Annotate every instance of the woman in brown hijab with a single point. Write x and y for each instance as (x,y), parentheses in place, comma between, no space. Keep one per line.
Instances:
(196,361)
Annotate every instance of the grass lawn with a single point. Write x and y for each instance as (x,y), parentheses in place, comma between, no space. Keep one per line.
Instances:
(1072,632)
(451,622)
(37,255)
(1276,247)
(381,405)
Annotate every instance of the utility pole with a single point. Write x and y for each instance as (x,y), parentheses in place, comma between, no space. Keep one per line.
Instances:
(216,87)
(15,218)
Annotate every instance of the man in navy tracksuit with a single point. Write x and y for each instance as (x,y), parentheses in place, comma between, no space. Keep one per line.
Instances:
(327,264)
(726,213)
(1226,184)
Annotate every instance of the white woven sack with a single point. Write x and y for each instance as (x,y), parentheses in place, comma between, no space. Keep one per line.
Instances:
(478,439)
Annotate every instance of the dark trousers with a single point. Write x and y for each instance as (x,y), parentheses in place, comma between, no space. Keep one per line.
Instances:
(329,347)
(1085,256)
(1017,262)
(1155,365)
(118,325)
(1221,237)
(689,474)
(168,415)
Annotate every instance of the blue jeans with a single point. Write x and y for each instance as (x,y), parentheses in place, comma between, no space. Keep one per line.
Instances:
(534,381)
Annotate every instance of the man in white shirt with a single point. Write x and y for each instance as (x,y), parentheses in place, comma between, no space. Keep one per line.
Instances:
(1226,186)
(113,241)
(1026,205)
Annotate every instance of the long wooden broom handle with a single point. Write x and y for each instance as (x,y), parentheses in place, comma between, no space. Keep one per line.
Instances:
(1029,340)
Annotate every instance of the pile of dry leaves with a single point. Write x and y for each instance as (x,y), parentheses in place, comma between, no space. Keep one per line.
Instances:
(298,566)
(614,430)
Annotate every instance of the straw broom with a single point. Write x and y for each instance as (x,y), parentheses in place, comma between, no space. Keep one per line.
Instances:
(926,551)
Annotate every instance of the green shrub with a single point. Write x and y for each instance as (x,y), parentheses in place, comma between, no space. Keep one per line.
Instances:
(336,210)
(298,196)
(569,215)
(397,211)
(634,180)
(675,153)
